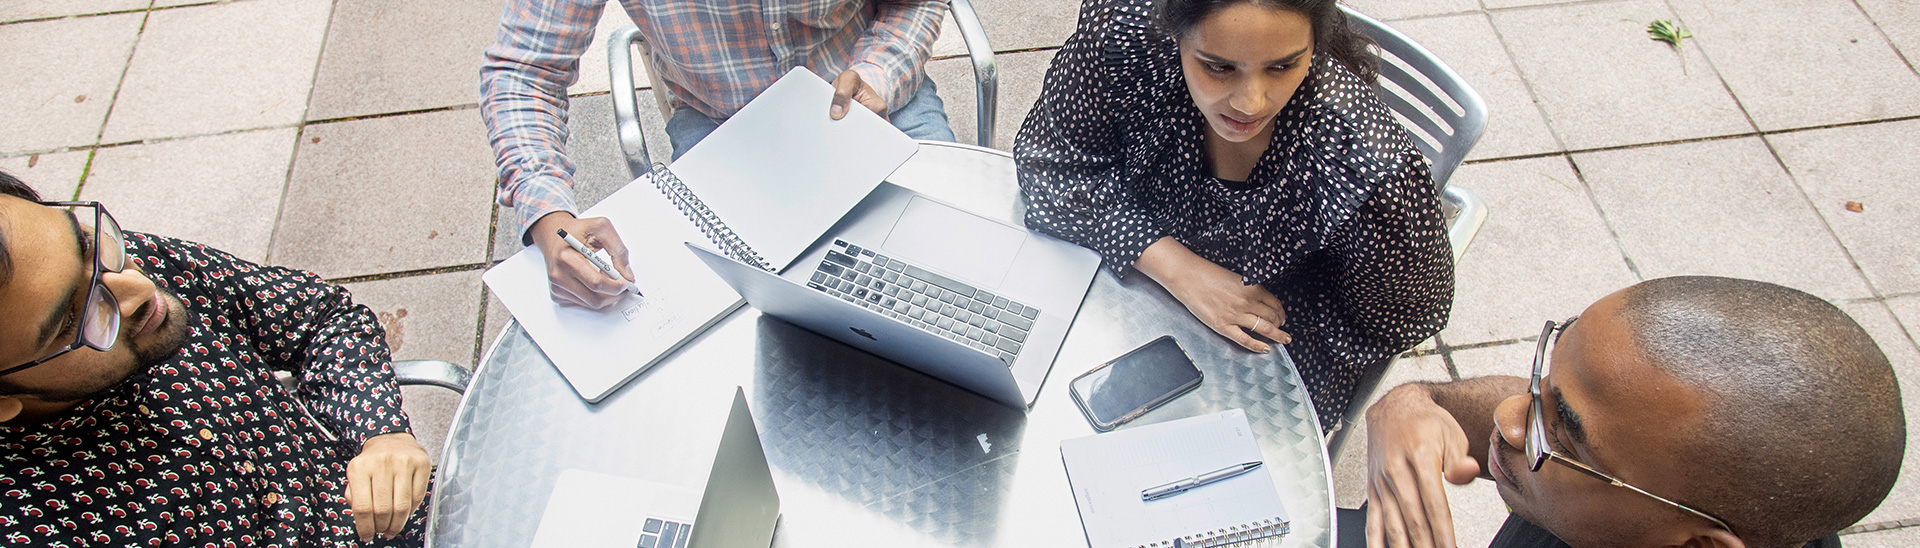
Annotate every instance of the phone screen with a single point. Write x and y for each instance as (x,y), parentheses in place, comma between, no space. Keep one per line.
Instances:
(1135,383)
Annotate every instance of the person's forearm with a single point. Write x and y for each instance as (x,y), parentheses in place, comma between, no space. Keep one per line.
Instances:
(523,99)
(1471,402)
(1163,260)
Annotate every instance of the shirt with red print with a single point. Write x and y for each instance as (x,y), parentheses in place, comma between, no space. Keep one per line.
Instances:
(208,448)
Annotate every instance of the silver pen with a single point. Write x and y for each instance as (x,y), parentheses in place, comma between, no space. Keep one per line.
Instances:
(1182,486)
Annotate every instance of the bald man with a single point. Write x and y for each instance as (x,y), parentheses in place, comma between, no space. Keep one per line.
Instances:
(1692,411)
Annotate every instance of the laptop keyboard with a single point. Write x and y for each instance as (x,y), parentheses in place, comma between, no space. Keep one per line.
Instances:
(932,302)
(660,533)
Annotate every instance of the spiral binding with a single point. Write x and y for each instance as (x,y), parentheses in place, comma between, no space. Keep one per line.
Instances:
(1237,535)
(709,223)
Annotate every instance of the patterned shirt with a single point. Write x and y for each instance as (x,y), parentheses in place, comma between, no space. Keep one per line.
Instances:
(208,448)
(1340,219)
(714,55)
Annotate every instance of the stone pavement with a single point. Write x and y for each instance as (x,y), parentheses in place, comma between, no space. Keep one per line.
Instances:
(342,136)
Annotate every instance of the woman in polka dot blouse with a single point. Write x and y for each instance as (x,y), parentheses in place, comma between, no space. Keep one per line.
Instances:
(1234,152)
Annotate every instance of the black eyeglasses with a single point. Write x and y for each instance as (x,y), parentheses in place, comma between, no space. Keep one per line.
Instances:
(1537,452)
(99,324)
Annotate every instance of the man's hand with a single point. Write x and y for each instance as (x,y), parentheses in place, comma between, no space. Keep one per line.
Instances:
(572,279)
(1412,443)
(848,86)
(1215,295)
(386,483)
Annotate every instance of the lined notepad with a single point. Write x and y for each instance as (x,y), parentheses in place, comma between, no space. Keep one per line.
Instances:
(1108,471)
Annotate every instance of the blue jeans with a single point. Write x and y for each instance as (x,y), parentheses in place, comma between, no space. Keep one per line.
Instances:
(923,117)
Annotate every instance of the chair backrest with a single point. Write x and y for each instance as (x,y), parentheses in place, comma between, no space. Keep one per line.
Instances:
(1444,114)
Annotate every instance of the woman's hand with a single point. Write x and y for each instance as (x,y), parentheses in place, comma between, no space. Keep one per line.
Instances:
(385,483)
(1216,295)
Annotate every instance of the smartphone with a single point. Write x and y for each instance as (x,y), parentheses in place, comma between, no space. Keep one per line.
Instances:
(1134,383)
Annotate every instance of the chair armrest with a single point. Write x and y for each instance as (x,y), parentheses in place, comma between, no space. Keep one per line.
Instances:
(626,114)
(1470,213)
(432,372)
(986,79)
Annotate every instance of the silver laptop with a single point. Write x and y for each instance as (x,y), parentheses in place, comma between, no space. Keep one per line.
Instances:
(968,300)
(738,508)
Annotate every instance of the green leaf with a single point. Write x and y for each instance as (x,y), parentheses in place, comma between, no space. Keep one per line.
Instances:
(1664,30)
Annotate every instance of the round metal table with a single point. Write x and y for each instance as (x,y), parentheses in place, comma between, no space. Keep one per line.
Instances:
(864,452)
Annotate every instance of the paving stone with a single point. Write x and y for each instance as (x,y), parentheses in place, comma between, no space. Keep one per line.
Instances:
(1603,83)
(1391,10)
(55,175)
(388,195)
(427,318)
(1864,164)
(1845,71)
(1907,310)
(1350,461)
(1478,512)
(19,10)
(220,67)
(384,56)
(61,77)
(1904,501)
(1900,19)
(1511,359)
(1543,254)
(1468,44)
(221,190)
(1015,26)
(1719,207)
(1905,537)
(600,168)
(1020,78)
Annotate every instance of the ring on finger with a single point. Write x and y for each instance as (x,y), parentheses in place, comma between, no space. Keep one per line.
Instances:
(1256,322)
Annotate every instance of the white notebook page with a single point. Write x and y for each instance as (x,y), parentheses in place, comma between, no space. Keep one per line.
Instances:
(1108,472)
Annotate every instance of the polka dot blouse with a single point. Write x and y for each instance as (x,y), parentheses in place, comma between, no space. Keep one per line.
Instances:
(1340,218)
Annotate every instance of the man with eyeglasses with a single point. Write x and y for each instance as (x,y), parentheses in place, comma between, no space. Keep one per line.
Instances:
(139,406)
(1690,411)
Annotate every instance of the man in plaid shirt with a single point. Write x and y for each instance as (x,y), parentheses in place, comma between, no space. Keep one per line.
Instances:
(714,56)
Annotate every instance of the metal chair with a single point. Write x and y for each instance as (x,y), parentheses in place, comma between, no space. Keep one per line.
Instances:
(410,373)
(1446,118)
(626,116)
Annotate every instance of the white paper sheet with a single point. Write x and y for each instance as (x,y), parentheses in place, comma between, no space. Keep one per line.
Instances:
(781,172)
(1108,472)
(598,350)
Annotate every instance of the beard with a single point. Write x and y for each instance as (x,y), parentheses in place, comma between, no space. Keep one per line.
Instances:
(160,346)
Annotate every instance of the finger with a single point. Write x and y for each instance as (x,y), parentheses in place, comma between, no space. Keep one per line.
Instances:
(871,99)
(382,489)
(1439,515)
(1239,336)
(1375,528)
(360,501)
(402,503)
(1393,530)
(609,240)
(1405,483)
(1269,329)
(561,294)
(422,478)
(593,286)
(844,86)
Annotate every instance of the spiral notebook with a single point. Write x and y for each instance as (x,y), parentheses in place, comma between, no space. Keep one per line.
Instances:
(1108,472)
(762,187)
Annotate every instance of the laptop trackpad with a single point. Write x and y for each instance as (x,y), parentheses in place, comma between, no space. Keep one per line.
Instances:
(954,242)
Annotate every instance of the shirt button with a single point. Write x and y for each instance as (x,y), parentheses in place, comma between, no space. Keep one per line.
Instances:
(206,434)
(144,411)
(248,467)
(273,498)
(775,25)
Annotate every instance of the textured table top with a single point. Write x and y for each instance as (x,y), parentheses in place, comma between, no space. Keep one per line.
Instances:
(864,452)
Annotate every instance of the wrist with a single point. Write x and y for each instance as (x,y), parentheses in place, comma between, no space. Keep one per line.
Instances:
(542,232)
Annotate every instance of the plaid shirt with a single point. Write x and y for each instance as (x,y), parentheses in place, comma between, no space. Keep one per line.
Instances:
(714,56)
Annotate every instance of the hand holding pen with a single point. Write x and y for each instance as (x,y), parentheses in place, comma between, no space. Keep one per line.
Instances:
(573,278)
(600,259)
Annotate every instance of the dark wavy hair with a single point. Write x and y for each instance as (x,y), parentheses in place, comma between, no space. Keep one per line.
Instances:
(1333,34)
(11,187)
